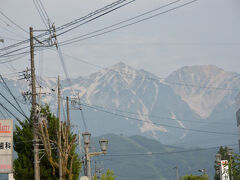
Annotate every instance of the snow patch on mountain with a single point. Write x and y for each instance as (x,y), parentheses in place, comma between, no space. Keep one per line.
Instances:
(204,87)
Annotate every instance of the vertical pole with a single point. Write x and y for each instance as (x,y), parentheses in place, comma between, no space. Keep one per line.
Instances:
(88,162)
(68,114)
(231,167)
(95,170)
(59,130)
(177,171)
(34,108)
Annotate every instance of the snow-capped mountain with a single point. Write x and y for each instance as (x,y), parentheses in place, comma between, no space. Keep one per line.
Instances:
(120,99)
(205,87)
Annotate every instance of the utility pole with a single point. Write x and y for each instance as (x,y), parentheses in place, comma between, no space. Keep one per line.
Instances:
(68,114)
(34,110)
(95,170)
(176,171)
(88,162)
(59,130)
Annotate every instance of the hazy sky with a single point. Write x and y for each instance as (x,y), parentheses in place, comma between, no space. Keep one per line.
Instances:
(205,32)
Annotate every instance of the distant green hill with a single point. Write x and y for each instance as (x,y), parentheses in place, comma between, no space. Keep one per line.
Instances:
(127,157)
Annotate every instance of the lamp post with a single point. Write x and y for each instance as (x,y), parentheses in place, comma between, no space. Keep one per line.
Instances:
(203,171)
(218,162)
(229,153)
(103,145)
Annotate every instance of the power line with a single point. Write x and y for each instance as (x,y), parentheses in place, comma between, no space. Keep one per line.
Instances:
(10,32)
(121,22)
(6,109)
(13,22)
(40,13)
(98,11)
(4,37)
(10,92)
(13,106)
(158,79)
(96,17)
(155,116)
(160,124)
(130,24)
(165,153)
(15,59)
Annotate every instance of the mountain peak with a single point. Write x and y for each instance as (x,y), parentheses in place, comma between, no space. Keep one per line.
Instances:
(120,67)
(202,68)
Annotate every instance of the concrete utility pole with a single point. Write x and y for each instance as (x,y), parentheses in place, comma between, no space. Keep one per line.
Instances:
(59,130)
(34,110)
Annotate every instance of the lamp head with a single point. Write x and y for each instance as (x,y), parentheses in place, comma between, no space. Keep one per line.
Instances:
(218,158)
(104,145)
(86,137)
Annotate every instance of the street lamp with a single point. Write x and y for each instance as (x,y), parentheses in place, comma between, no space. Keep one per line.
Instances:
(218,158)
(103,145)
(203,171)
(86,137)
(218,164)
(230,153)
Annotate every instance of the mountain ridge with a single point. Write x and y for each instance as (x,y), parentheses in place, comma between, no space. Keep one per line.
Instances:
(138,102)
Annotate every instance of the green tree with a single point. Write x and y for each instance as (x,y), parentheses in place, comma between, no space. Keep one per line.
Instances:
(192,177)
(23,145)
(234,163)
(236,166)
(109,175)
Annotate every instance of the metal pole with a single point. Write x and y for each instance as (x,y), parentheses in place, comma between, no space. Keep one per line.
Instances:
(88,162)
(231,167)
(95,170)
(59,130)
(34,108)
(68,114)
(177,171)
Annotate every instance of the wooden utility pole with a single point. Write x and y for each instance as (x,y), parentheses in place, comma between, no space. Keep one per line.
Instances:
(34,110)
(68,114)
(59,130)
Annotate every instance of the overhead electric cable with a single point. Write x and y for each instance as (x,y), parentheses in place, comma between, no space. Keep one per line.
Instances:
(158,117)
(10,33)
(8,38)
(12,60)
(121,22)
(2,114)
(130,24)
(109,6)
(6,109)
(40,13)
(13,22)
(166,152)
(160,124)
(44,10)
(13,106)
(96,17)
(10,92)
(158,79)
